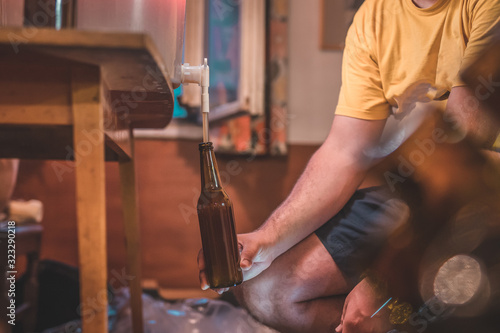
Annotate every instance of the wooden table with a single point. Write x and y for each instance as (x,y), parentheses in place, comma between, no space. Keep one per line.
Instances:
(73,95)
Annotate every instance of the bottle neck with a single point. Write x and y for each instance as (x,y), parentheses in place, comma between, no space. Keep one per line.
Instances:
(210,179)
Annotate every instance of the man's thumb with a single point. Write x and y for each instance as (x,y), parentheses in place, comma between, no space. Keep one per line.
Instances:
(246,259)
(245,264)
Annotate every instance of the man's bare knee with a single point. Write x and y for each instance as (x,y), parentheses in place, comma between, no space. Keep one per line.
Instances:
(253,296)
(298,292)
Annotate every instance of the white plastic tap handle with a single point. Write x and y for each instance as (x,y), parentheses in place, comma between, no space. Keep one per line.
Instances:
(196,74)
(190,74)
(200,75)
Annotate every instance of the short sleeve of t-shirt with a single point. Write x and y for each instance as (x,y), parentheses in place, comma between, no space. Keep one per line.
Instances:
(483,26)
(361,94)
(386,55)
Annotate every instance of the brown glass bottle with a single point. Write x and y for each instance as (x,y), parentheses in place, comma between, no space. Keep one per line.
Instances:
(215,214)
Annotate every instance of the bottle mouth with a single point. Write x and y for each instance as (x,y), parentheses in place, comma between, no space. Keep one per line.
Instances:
(205,145)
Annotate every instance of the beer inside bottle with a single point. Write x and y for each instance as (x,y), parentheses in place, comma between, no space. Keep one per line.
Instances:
(218,235)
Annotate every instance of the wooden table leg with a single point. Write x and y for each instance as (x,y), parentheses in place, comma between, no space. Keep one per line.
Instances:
(90,197)
(132,238)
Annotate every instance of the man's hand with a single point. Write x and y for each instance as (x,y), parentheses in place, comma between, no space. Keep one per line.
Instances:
(255,252)
(359,306)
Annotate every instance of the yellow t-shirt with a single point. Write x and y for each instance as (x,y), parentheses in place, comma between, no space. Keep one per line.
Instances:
(397,54)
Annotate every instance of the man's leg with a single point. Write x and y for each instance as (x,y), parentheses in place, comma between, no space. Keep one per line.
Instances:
(302,291)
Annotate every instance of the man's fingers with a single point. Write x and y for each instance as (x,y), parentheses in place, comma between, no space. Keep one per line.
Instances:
(247,256)
(203,280)
(245,264)
(201,260)
(344,310)
(220,291)
(341,325)
(201,266)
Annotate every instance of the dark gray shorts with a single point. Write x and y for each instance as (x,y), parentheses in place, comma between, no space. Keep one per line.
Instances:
(356,234)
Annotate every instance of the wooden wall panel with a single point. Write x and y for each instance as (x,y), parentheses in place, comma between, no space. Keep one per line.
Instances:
(168,186)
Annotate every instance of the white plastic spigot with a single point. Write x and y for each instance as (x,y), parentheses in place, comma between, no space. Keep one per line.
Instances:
(201,76)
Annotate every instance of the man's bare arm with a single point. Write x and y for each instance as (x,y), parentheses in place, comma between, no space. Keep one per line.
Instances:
(329,180)
(332,175)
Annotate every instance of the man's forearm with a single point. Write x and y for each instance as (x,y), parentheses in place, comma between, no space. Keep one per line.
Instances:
(329,180)
(320,193)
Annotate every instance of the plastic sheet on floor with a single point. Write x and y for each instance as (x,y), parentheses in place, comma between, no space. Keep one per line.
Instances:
(191,316)
(198,315)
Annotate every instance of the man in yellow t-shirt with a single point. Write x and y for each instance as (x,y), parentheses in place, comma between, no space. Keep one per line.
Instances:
(398,53)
